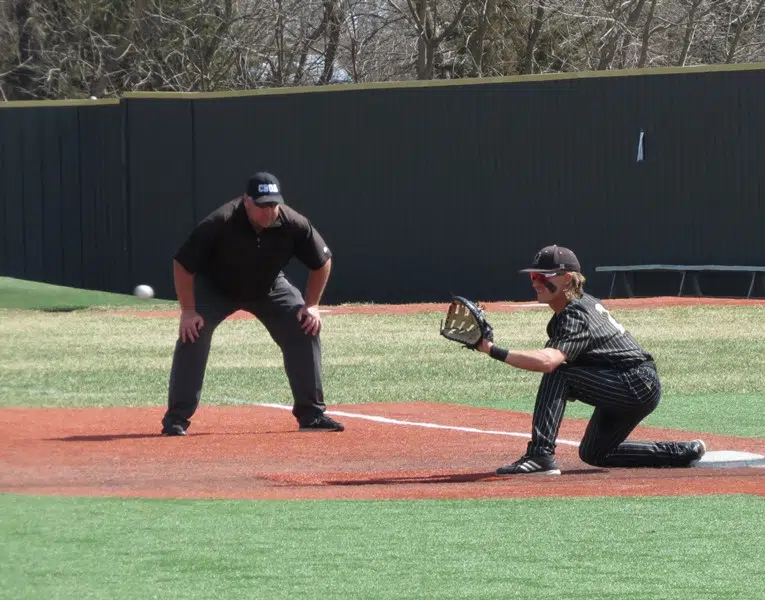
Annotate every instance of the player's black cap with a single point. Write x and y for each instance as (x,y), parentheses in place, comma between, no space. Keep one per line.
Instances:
(264,188)
(551,259)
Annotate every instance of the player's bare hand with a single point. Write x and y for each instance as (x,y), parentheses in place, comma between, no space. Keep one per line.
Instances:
(484,345)
(310,319)
(191,323)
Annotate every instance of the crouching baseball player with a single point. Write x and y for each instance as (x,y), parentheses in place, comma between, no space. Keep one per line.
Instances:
(589,357)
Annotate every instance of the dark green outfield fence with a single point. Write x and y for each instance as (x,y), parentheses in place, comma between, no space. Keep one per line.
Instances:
(420,190)
(63,210)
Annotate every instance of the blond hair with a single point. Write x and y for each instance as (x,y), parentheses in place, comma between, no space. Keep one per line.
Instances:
(575,289)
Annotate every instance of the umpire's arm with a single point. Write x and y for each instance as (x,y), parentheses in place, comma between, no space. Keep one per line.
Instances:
(317,283)
(308,314)
(191,322)
(184,287)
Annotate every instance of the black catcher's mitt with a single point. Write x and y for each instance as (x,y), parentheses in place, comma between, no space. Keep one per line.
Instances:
(466,323)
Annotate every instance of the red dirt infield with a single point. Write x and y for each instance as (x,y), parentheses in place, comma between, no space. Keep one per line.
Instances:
(256,452)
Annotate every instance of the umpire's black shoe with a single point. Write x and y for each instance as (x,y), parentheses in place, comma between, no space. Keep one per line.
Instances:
(531,464)
(321,423)
(174,429)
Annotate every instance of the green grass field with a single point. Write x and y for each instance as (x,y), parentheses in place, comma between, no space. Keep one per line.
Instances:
(683,548)
(712,362)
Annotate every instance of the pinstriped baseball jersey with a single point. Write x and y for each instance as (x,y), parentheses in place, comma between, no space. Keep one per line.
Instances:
(589,336)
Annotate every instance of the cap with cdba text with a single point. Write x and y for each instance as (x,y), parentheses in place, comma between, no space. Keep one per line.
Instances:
(264,188)
(552,259)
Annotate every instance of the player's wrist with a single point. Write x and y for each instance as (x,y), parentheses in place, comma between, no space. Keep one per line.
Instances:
(498,353)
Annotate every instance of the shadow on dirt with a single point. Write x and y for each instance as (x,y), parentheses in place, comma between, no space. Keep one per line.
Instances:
(455,478)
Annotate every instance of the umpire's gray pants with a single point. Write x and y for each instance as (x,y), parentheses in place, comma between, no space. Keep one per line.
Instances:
(301,352)
(621,399)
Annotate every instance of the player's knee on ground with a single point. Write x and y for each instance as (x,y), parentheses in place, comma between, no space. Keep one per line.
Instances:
(593,456)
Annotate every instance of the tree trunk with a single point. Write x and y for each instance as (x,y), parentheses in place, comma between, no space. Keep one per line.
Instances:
(422,41)
(535,28)
(690,28)
(279,71)
(310,40)
(646,36)
(743,23)
(22,77)
(428,42)
(476,43)
(334,20)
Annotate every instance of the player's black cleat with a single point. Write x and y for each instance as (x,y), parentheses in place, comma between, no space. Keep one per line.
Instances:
(173,430)
(321,423)
(531,464)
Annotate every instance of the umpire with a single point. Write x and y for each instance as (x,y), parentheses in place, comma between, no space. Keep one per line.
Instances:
(589,357)
(231,261)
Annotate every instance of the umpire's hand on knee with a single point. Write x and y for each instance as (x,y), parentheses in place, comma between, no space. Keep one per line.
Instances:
(310,319)
(191,323)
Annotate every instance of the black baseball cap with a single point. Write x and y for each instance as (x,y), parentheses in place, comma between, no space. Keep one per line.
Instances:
(264,188)
(552,259)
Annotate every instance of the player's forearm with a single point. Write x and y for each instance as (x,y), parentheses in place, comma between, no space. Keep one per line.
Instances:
(531,360)
(184,287)
(542,361)
(317,282)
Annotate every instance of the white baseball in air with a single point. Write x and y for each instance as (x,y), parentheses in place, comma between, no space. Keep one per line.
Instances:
(143,291)
(93,98)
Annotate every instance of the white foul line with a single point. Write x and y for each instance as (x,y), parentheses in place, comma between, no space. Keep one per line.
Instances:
(419,424)
(711,459)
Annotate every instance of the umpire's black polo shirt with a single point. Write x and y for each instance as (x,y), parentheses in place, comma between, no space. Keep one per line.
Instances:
(242,262)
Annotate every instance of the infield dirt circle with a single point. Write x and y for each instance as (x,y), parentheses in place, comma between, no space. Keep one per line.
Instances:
(413,450)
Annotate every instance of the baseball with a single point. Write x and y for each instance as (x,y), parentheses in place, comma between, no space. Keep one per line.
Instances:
(143,291)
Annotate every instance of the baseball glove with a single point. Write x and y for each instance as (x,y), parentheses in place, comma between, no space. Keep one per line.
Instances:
(466,323)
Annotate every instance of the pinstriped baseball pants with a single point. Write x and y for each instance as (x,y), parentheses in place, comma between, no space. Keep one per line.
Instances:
(621,399)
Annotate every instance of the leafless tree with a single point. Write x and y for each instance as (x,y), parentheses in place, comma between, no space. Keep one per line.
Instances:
(80,48)
(374,45)
(432,22)
(744,15)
